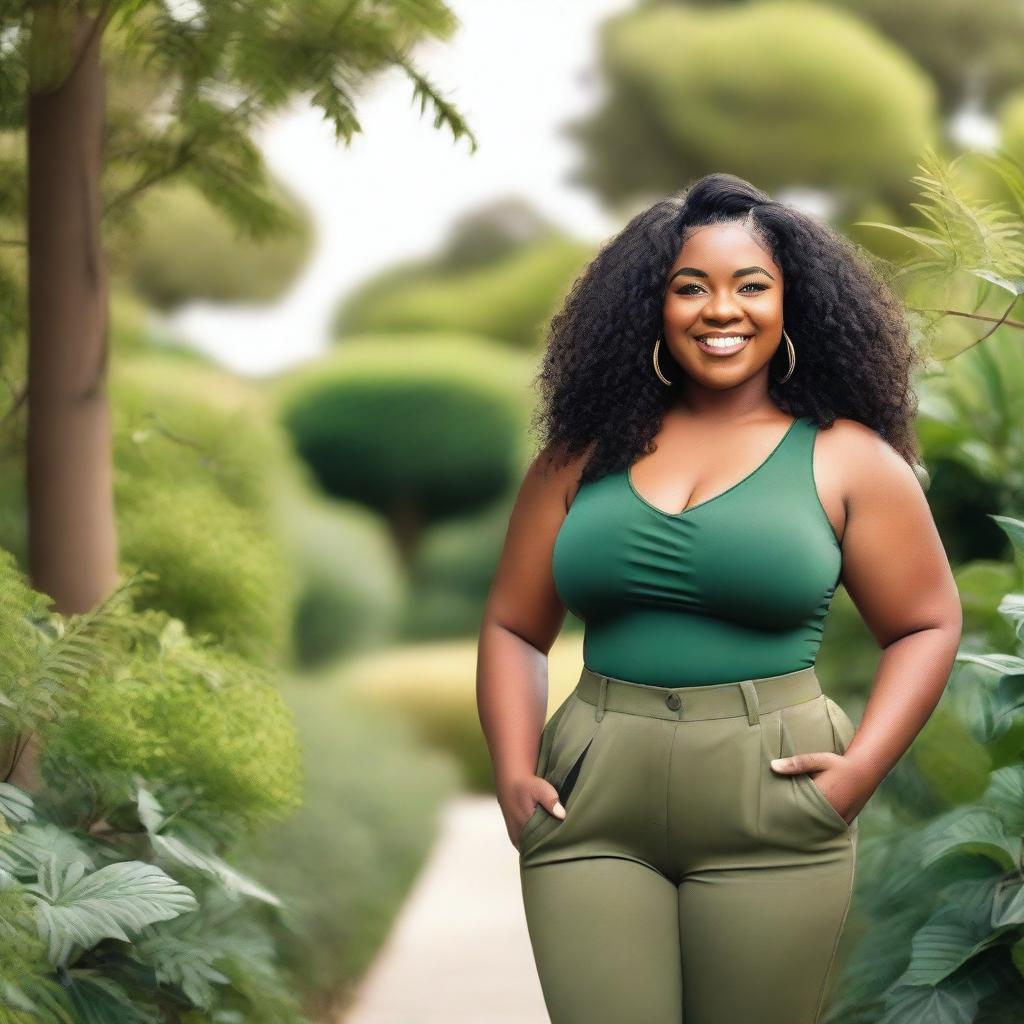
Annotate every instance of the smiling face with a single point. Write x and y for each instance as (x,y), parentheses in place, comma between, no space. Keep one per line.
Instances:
(723,307)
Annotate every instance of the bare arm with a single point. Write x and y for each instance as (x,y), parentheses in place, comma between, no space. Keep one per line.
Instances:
(896,572)
(522,618)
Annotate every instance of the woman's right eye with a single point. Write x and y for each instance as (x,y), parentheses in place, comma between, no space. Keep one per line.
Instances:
(750,284)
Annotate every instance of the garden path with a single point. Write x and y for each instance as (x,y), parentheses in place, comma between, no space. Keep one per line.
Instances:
(459,952)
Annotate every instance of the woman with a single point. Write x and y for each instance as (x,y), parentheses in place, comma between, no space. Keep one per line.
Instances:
(727,417)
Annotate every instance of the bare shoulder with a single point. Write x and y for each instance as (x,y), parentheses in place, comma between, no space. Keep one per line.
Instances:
(868,463)
(556,473)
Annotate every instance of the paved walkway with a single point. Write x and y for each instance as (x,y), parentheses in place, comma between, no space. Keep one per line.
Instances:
(459,952)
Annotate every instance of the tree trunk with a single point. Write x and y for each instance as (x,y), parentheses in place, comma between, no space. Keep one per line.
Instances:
(72,541)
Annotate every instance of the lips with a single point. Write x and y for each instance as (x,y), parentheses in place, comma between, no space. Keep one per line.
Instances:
(722,334)
(714,343)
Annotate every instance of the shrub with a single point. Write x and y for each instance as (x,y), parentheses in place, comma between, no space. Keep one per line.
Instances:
(943,898)
(157,754)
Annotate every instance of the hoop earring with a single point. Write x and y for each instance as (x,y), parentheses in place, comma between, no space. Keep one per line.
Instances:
(792,358)
(657,369)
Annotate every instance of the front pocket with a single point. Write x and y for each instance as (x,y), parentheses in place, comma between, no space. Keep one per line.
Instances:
(789,747)
(793,808)
(570,750)
(539,813)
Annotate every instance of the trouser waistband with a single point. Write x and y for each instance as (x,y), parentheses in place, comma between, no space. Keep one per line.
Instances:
(749,697)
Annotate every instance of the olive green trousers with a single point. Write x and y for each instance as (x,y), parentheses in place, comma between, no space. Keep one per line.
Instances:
(688,883)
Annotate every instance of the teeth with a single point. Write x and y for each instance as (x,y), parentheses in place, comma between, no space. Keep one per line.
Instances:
(723,342)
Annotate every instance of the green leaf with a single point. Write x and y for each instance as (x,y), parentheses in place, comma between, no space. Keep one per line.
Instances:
(1014,529)
(1008,904)
(1017,954)
(152,817)
(1005,794)
(15,803)
(1012,606)
(184,961)
(1002,663)
(78,909)
(917,1004)
(952,762)
(945,943)
(210,864)
(23,852)
(99,1000)
(970,830)
(1015,285)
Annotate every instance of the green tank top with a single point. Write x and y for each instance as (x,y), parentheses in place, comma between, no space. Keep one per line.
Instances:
(734,587)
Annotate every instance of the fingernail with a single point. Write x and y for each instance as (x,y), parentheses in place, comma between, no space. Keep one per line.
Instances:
(778,763)
(559,809)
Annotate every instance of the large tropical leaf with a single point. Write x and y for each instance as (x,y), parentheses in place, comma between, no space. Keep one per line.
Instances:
(15,803)
(971,830)
(182,852)
(79,909)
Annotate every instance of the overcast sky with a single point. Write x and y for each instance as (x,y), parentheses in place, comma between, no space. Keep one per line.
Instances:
(516,71)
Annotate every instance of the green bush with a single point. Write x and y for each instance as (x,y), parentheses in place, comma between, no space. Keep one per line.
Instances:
(349,581)
(216,568)
(765,87)
(185,249)
(198,463)
(940,909)
(420,428)
(452,573)
(345,861)
(509,298)
(158,754)
(187,715)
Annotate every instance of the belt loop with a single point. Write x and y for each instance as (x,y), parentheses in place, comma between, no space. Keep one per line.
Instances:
(601,697)
(749,692)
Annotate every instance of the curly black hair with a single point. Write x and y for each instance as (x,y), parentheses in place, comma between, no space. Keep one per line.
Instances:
(854,354)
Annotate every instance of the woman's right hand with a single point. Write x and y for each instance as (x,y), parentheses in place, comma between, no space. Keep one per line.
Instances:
(519,799)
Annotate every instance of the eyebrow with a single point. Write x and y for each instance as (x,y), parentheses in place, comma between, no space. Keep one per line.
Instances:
(695,272)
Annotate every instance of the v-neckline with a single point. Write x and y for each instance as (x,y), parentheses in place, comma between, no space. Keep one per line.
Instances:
(707,501)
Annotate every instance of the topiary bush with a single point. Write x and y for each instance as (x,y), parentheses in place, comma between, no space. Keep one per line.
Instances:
(160,260)
(419,428)
(509,296)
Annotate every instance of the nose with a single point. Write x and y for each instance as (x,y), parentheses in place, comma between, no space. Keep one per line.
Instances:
(720,308)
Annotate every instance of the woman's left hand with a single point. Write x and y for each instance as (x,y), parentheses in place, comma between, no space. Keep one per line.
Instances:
(842,782)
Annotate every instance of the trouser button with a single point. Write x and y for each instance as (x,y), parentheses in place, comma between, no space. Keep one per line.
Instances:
(673,701)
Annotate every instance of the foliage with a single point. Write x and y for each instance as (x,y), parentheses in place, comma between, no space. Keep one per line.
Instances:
(214,567)
(974,413)
(113,908)
(945,887)
(418,427)
(350,582)
(758,89)
(164,265)
(509,297)
(345,861)
(452,573)
(952,40)
(187,88)
(198,463)
(973,254)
